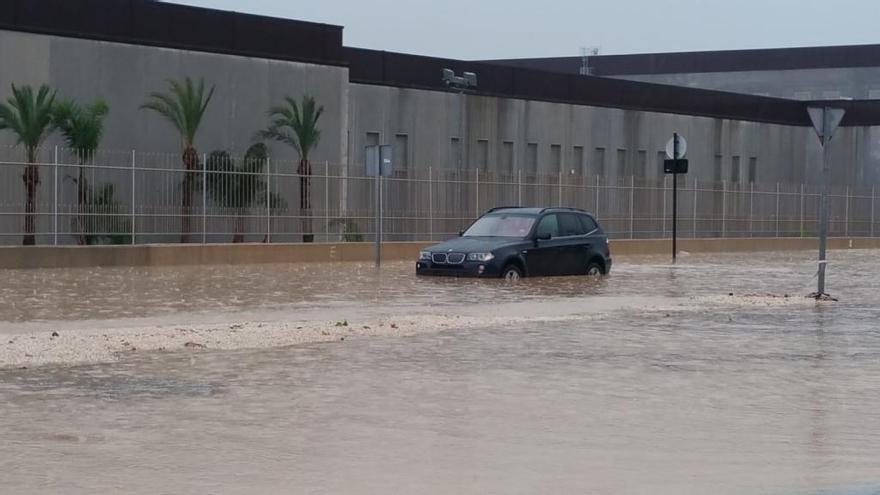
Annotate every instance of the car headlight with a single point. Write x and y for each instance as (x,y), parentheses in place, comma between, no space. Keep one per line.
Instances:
(481,257)
(424,255)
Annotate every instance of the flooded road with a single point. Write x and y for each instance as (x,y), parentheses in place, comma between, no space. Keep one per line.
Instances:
(718,395)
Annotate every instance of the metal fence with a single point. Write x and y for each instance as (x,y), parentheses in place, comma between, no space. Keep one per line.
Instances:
(133,197)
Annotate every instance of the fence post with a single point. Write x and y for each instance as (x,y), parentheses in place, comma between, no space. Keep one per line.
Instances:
(268,196)
(632,204)
(560,188)
(327,199)
(55,202)
(477,199)
(872,209)
(519,187)
(133,212)
(204,198)
(777,210)
(846,214)
(664,207)
(802,210)
(430,203)
(723,208)
(751,209)
(696,181)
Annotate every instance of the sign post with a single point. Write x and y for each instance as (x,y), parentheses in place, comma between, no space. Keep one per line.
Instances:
(675,164)
(378,164)
(825,122)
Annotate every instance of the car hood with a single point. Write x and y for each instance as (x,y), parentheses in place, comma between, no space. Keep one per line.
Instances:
(473,244)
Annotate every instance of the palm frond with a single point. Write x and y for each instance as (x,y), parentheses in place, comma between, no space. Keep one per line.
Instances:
(29,116)
(296,124)
(183,106)
(81,126)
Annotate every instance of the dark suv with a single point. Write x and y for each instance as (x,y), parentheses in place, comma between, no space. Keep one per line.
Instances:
(516,242)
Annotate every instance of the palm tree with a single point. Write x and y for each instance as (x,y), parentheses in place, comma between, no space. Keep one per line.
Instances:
(29,116)
(82,128)
(184,106)
(239,185)
(297,125)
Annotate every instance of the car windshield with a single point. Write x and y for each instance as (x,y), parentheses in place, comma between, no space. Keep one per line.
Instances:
(502,225)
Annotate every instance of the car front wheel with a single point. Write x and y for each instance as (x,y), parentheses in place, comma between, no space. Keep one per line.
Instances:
(511,272)
(594,269)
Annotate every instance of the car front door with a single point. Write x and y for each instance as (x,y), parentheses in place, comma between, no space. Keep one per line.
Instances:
(543,256)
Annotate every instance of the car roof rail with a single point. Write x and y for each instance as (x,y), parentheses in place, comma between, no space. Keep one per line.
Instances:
(490,210)
(564,208)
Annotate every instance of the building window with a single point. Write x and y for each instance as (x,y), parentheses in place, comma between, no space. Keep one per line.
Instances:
(599,161)
(621,163)
(753,169)
(401,152)
(555,158)
(455,152)
(483,153)
(734,169)
(718,169)
(532,158)
(577,159)
(507,156)
(643,164)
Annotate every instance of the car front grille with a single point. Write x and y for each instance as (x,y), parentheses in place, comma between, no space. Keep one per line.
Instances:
(455,258)
(448,259)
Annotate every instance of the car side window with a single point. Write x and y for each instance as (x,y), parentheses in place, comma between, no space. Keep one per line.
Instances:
(548,225)
(588,223)
(569,225)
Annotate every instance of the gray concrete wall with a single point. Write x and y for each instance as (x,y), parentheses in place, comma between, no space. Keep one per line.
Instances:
(858,83)
(430,120)
(124,74)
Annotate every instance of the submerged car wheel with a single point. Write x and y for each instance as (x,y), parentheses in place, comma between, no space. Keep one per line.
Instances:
(511,272)
(594,269)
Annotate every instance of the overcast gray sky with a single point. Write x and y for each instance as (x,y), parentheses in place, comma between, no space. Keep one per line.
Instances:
(482,29)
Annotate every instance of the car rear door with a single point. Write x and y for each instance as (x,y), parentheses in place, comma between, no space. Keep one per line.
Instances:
(595,240)
(543,258)
(574,245)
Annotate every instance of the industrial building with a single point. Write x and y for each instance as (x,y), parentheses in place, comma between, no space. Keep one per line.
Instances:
(742,113)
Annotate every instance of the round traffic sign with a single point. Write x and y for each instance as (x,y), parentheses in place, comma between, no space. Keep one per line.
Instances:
(682,148)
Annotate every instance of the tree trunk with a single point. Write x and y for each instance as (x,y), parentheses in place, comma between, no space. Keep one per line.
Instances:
(82,232)
(305,199)
(238,236)
(190,164)
(31,178)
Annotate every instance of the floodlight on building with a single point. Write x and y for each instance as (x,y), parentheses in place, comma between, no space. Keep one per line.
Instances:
(467,80)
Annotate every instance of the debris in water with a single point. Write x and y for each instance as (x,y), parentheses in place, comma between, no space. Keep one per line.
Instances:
(343,323)
(195,345)
(55,334)
(394,325)
(822,297)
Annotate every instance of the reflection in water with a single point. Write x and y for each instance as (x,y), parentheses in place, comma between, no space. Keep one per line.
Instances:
(743,399)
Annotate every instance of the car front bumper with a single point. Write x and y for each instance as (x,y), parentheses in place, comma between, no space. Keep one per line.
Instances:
(466,269)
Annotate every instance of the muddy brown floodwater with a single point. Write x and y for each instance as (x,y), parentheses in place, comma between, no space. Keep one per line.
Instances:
(655,382)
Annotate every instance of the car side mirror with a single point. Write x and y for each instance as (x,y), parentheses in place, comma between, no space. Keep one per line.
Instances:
(543,237)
